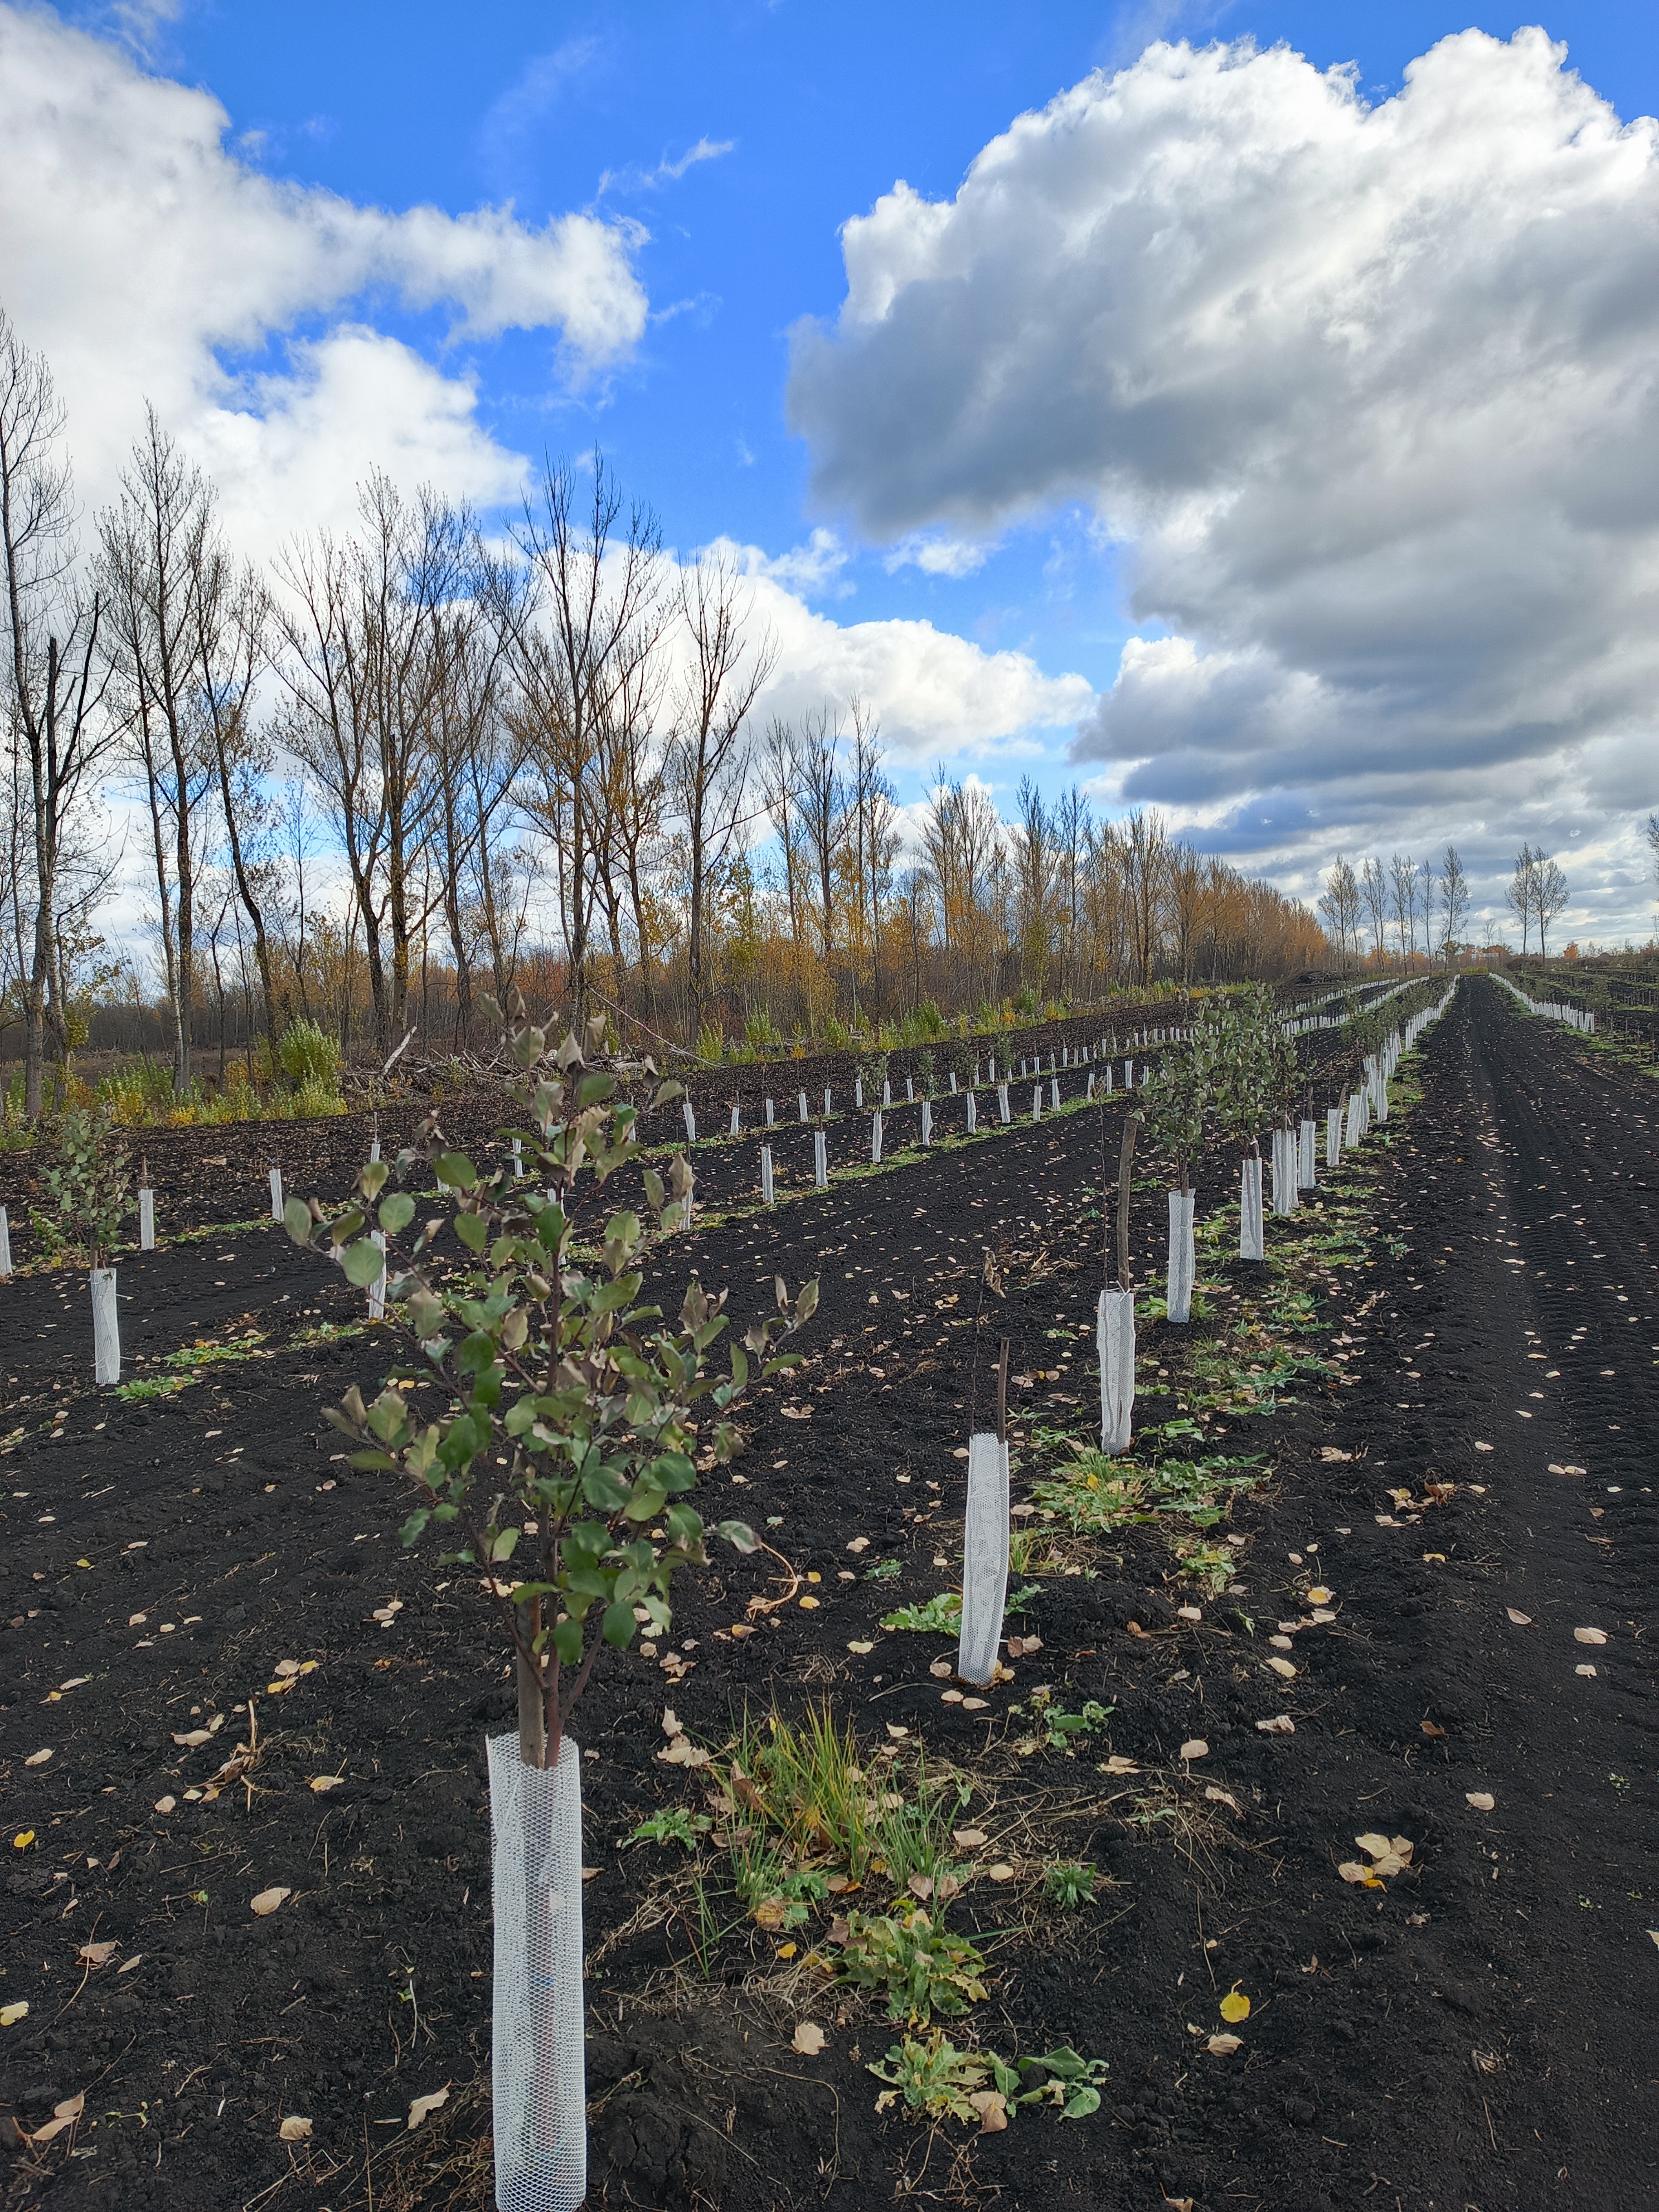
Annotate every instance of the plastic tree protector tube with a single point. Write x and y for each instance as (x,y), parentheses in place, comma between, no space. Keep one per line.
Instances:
(1251,1245)
(1182,1257)
(276,1192)
(538,2062)
(106,1327)
(766,1175)
(985,1545)
(875,1140)
(5,1243)
(1115,1319)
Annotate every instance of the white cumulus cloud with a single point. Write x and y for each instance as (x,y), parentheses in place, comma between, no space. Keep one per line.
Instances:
(933,692)
(1367,395)
(148,262)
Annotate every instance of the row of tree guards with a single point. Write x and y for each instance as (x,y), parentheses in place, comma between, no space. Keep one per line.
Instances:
(1553,1010)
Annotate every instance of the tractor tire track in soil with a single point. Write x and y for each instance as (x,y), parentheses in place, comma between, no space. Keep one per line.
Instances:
(1472,2033)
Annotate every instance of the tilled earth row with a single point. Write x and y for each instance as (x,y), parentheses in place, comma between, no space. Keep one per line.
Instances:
(1469,2031)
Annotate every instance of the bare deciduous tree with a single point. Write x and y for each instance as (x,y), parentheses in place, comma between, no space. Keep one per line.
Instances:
(56,732)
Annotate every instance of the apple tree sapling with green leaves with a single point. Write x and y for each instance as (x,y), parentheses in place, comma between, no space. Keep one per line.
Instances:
(88,1185)
(1173,1107)
(561,1471)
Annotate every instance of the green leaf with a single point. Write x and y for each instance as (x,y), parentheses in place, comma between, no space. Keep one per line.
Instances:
(603,1491)
(296,1219)
(1080,2104)
(456,1170)
(567,1641)
(397,1211)
(473,1230)
(371,1179)
(619,1625)
(740,1535)
(366,1461)
(365,1262)
(416,1524)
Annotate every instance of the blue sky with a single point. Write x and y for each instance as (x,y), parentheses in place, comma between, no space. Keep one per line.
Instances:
(1070,487)
(822,108)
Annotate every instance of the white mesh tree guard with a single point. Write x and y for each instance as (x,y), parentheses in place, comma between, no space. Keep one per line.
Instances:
(147,1219)
(1333,1136)
(276,1193)
(1251,1243)
(875,1140)
(1184,1259)
(1284,1197)
(538,2075)
(1114,1341)
(5,1243)
(691,1120)
(985,1559)
(973,1113)
(766,1175)
(1306,1176)
(820,1161)
(926,1123)
(106,1327)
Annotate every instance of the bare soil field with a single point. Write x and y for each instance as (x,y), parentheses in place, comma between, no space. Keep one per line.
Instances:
(1391,1494)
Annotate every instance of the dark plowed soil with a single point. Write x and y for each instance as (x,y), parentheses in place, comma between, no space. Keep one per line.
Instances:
(1472,2033)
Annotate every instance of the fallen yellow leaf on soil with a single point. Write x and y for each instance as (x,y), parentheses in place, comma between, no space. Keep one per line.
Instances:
(1223,2046)
(1117,1764)
(165,1804)
(11,2014)
(967,1840)
(1320,1596)
(1234,2006)
(1590,1635)
(22,1840)
(96,1954)
(268,1900)
(808,2038)
(421,2106)
(1521,1620)
(37,1759)
(1001,1871)
(1217,1795)
(1283,1667)
(859,1645)
(993,2108)
(1280,1724)
(1482,1800)
(63,2116)
(1195,1747)
(319,1782)
(294,2130)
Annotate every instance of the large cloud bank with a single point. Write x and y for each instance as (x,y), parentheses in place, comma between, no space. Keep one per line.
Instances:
(142,253)
(1368,392)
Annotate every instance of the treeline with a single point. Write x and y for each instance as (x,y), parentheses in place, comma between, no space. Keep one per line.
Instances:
(367,778)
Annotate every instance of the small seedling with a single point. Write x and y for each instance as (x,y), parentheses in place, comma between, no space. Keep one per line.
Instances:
(676,1827)
(1067,1886)
(923,1969)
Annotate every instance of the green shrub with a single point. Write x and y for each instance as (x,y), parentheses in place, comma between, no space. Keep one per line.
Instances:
(310,1059)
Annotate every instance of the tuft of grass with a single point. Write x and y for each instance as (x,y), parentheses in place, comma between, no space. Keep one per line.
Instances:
(1068,1886)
